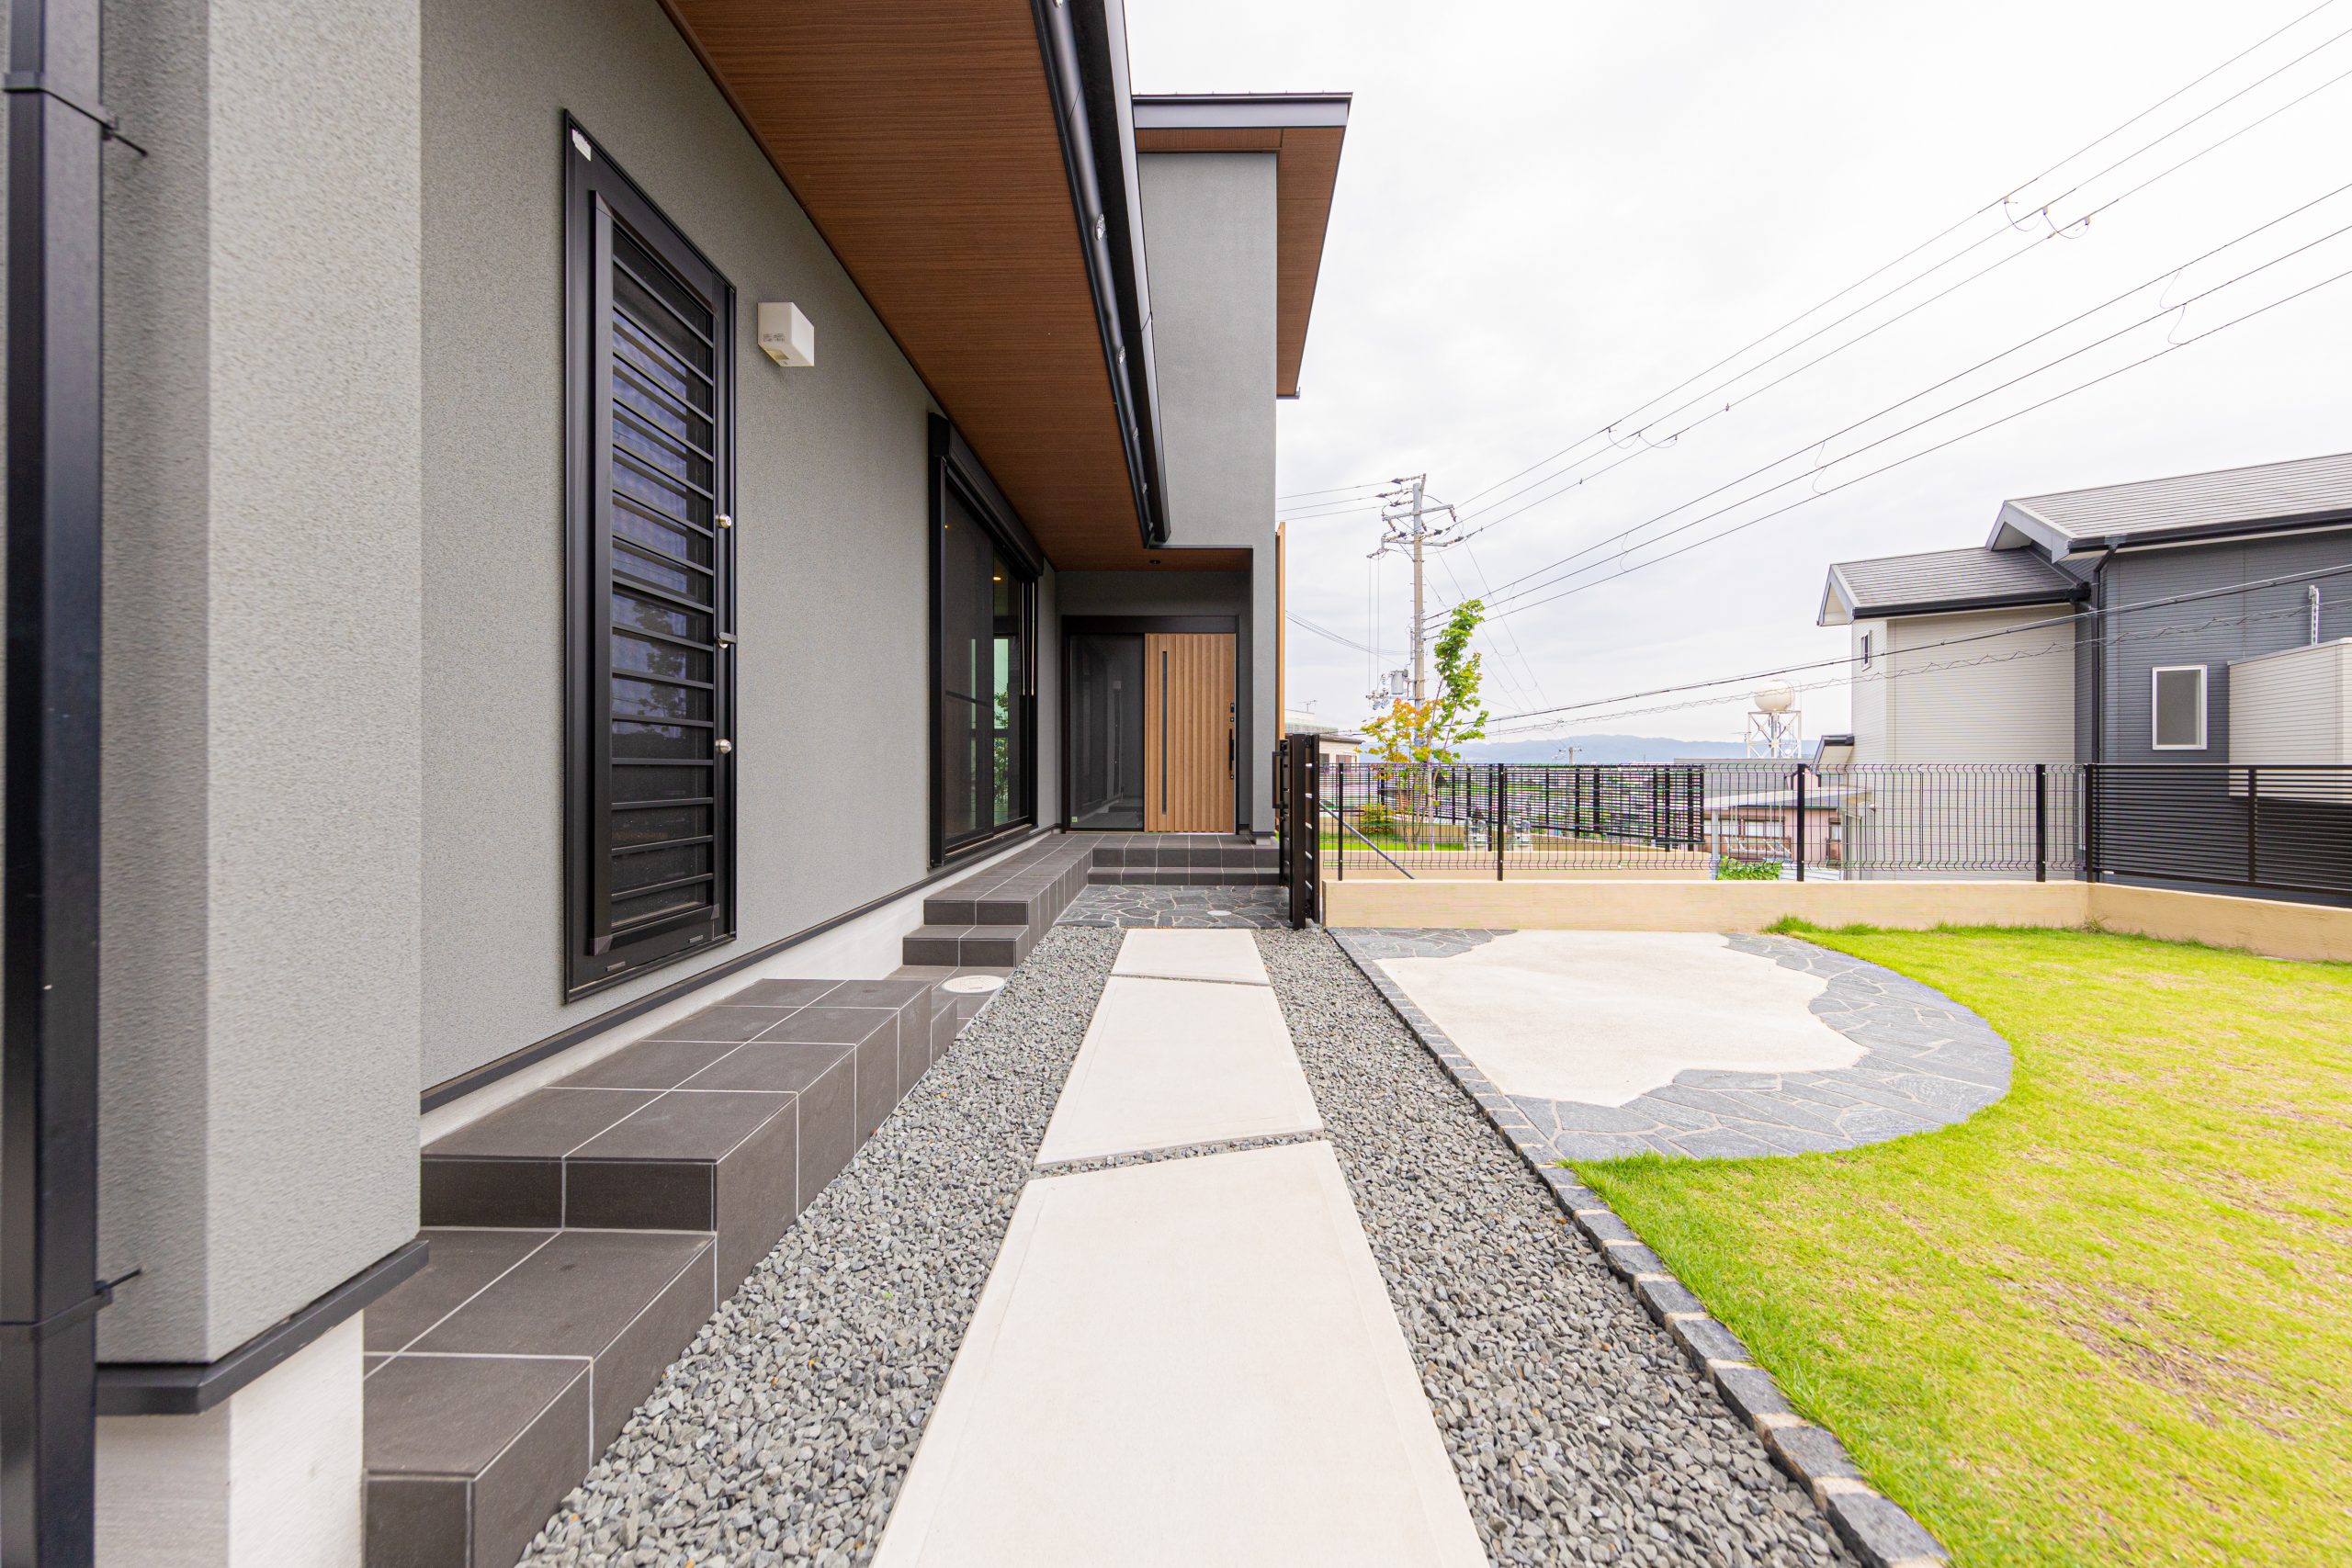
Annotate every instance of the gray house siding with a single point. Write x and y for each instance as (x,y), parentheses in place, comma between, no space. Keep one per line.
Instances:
(2279,620)
(262,984)
(1209,230)
(834,597)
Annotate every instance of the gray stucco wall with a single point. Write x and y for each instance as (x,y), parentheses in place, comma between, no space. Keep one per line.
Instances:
(833,591)
(1209,229)
(262,792)
(2267,620)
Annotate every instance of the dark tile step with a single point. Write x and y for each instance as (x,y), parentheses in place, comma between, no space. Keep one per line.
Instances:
(498,1373)
(1168,877)
(731,1121)
(967,946)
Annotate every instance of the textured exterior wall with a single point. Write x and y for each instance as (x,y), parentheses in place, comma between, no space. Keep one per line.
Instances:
(263,794)
(1209,232)
(833,743)
(1939,706)
(1869,693)
(2278,619)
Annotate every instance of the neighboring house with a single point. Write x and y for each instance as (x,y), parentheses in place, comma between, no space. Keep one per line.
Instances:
(1332,744)
(2197,619)
(2097,625)
(505,655)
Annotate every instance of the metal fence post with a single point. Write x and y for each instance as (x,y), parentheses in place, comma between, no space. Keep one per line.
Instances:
(2253,827)
(1800,832)
(2090,822)
(1339,824)
(2042,821)
(1497,795)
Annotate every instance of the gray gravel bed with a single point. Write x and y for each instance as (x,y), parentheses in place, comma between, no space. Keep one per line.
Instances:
(1578,1428)
(783,1434)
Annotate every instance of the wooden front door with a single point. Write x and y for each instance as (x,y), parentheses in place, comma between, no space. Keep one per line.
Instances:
(1189,738)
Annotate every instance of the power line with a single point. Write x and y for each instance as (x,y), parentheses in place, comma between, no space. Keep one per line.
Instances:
(2071,617)
(1298,620)
(1336,490)
(2144,635)
(1624,537)
(2001,202)
(2055,232)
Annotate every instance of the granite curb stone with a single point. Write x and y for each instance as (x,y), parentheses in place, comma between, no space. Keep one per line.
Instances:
(1874,1527)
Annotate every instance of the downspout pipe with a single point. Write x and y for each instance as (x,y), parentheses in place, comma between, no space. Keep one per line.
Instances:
(49,912)
(1084,47)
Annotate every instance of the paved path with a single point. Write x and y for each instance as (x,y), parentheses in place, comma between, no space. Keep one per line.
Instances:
(1190,1360)
(1611,1042)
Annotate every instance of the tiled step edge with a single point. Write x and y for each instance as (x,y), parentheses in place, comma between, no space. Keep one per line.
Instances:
(1877,1529)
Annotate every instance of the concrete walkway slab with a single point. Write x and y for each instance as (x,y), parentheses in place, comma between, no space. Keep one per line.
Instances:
(1181,1362)
(1169,1062)
(1599,1017)
(1227,956)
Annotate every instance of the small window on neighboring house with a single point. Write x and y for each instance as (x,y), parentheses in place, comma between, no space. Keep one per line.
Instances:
(1866,650)
(650,786)
(2180,707)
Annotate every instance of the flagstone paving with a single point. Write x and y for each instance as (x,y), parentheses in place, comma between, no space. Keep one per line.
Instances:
(1222,909)
(1921,1061)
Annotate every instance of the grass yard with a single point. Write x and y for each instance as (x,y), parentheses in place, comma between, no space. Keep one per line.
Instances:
(2106,1321)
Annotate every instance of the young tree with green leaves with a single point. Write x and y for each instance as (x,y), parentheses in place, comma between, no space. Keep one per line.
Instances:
(1412,738)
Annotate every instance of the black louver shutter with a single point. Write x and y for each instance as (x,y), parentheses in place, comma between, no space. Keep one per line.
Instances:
(651,429)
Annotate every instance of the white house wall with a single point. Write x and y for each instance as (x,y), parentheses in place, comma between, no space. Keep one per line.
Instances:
(833,739)
(2005,697)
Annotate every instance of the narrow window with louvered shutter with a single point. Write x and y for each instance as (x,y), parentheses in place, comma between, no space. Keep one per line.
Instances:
(649,756)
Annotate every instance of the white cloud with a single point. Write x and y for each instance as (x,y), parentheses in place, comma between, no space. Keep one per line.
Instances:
(1547,213)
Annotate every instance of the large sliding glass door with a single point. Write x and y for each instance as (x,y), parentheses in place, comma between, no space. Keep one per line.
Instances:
(984,754)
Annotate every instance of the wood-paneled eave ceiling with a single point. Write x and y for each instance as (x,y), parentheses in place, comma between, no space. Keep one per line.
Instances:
(919,138)
(1304,132)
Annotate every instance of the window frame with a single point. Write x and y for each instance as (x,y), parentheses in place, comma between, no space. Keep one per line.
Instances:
(2156,742)
(593,188)
(956,471)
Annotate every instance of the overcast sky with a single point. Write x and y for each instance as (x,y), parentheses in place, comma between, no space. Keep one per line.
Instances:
(1549,213)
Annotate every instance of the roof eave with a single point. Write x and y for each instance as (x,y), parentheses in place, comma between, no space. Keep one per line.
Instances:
(2052,595)
(1084,45)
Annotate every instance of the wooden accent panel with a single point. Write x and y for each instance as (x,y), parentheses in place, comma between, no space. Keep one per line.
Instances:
(1188,735)
(918,137)
(1306,170)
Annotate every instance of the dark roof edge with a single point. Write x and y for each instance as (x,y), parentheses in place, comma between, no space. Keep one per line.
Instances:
(1085,51)
(1954,606)
(2055,542)
(1836,589)
(1240,111)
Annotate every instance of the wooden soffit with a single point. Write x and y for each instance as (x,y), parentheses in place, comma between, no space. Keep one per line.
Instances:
(1303,132)
(921,138)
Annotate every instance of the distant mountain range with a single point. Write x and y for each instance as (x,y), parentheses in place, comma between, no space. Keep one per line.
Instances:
(1600,749)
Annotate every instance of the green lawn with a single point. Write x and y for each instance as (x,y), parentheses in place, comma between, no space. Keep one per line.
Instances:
(2106,1321)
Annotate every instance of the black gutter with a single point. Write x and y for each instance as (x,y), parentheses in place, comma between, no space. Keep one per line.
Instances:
(1960,606)
(1085,52)
(49,1295)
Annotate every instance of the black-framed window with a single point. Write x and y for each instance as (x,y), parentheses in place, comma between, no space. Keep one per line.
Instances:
(650,479)
(984,572)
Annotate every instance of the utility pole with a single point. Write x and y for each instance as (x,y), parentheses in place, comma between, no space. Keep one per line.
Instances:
(1420,642)
(1407,520)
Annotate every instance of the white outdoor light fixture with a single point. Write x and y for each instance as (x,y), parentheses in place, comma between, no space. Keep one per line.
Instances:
(785,336)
